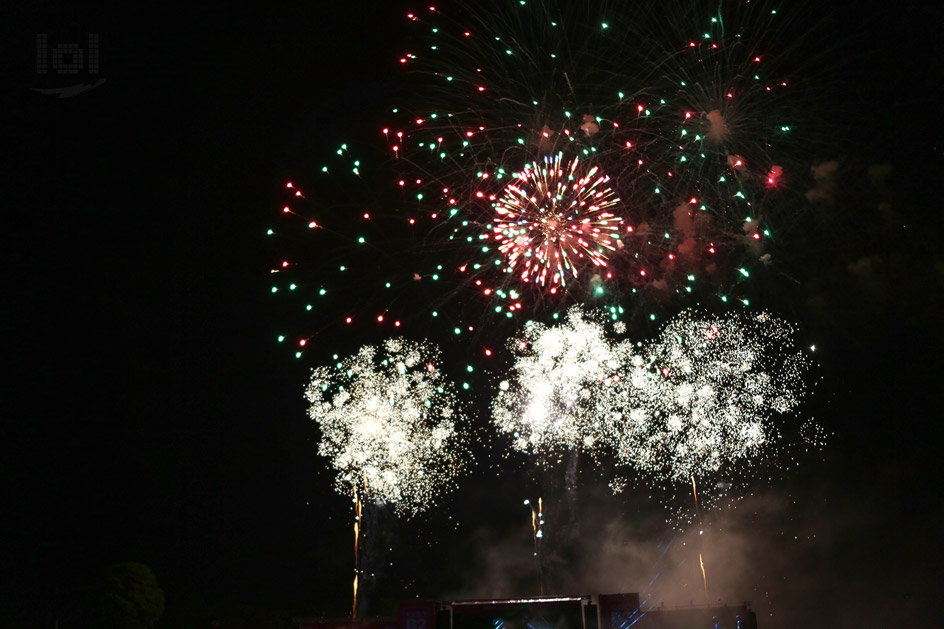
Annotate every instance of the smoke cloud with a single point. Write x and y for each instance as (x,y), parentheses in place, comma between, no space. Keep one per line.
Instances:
(792,559)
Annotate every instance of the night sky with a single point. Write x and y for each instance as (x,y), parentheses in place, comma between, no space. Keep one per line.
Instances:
(151,417)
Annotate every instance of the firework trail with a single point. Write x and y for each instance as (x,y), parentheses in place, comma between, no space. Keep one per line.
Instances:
(388,419)
(537,535)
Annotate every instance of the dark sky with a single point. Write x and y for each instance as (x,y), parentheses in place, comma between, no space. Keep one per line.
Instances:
(151,418)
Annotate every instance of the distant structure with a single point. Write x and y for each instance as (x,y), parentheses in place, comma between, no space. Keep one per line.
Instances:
(602,611)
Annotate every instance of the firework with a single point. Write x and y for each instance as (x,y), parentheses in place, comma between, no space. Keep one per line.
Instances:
(704,397)
(493,166)
(565,386)
(349,267)
(388,422)
(554,218)
(690,110)
(712,389)
(695,119)
(388,419)
(329,244)
(729,107)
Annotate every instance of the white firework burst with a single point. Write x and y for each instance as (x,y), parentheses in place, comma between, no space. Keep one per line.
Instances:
(389,423)
(712,389)
(565,387)
(705,396)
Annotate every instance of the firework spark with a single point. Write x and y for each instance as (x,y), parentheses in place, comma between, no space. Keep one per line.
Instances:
(700,119)
(566,383)
(388,419)
(695,111)
(712,389)
(704,397)
(555,217)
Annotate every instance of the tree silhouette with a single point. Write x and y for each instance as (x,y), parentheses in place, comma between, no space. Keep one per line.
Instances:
(131,599)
